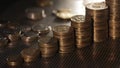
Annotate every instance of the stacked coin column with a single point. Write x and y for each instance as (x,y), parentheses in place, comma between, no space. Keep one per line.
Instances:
(83,30)
(65,35)
(48,46)
(99,13)
(114,20)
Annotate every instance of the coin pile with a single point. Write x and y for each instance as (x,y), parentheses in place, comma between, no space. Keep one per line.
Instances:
(114,19)
(99,13)
(83,30)
(30,54)
(65,35)
(48,46)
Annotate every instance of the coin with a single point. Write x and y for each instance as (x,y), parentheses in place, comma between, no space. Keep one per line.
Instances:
(62,30)
(30,54)
(29,36)
(14,60)
(3,41)
(41,29)
(35,13)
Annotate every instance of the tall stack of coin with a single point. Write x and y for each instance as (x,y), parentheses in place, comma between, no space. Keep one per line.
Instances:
(48,46)
(99,13)
(65,35)
(83,30)
(114,20)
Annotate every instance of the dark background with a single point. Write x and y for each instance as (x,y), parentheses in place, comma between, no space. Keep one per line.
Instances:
(4,4)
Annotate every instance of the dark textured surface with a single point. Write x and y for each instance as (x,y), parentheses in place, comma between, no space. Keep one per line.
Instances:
(98,55)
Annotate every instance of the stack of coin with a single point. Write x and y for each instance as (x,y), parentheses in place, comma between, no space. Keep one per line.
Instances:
(30,54)
(65,35)
(14,61)
(114,19)
(83,30)
(99,13)
(48,46)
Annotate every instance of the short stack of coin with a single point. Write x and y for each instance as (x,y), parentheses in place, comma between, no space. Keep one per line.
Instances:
(99,13)
(48,46)
(30,54)
(65,35)
(14,60)
(83,30)
(114,19)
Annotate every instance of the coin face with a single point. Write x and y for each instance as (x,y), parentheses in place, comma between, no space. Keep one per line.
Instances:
(61,29)
(97,6)
(78,18)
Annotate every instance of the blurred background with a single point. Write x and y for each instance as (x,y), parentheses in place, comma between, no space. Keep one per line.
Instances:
(4,4)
